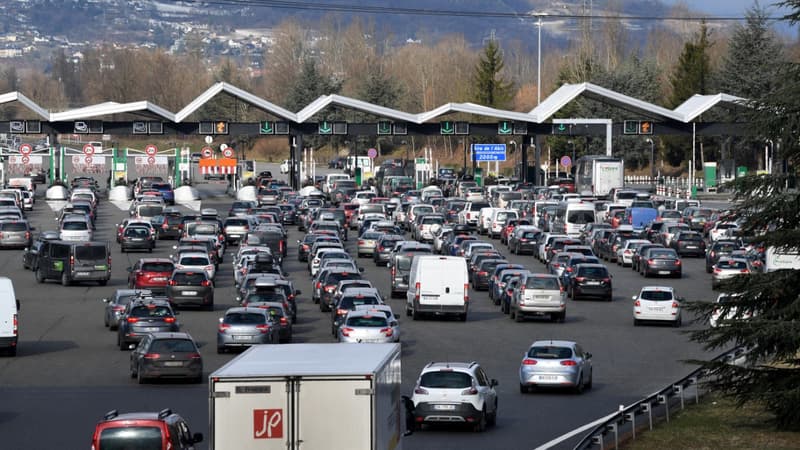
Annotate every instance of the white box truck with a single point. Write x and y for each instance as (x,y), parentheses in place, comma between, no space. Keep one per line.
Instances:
(779,259)
(308,397)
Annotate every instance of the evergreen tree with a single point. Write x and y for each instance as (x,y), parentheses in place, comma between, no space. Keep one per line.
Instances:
(490,89)
(379,88)
(310,85)
(770,213)
(692,74)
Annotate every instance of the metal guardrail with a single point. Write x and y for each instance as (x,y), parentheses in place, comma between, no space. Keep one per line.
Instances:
(607,430)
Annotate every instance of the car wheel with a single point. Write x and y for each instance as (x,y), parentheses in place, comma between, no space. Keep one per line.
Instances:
(480,425)
(636,322)
(708,269)
(415,314)
(105,321)
(559,317)
(220,350)
(589,384)
(39,276)
(579,386)
(462,317)
(103,282)
(134,373)
(64,279)
(122,345)
(492,420)
(523,389)
(408,311)
(678,323)
(139,377)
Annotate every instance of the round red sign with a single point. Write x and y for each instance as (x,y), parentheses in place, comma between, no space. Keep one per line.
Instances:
(228,153)
(151,150)
(88,149)
(25,160)
(207,152)
(25,149)
(88,160)
(151,160)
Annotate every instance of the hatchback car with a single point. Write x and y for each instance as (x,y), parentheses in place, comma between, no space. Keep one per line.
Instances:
(115,305)
(166,355)
(590,280)
(657,303)
(365,326)
(193,288)
(163,430)
(150,273)
(277,310)
(15,234)
(137,238)
(727,268)
(243,327)
(718,250)
(539,295)
(76,230)
(661,261)
(142,317)
(367,243)
(455,392)
(555,364)
(196,262)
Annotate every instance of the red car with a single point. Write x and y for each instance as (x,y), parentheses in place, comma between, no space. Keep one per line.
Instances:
(151,273)
(162,430)
(509,227)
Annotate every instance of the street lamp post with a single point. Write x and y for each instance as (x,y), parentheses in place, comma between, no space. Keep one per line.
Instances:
(652,164)
(539,59)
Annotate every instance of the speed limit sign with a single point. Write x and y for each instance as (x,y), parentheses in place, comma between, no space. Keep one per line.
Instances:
(151,150)
(228,152)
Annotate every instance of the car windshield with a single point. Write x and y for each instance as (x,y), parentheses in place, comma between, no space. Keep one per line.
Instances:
(547,352)
(236,222)
(545,283)
(150,211)
(151,311)
(159,266)
(445,380)
(90,252)
(75,226)
(367,321)
(131,438)
(244,318)
(189,278)
(172,346)
(655,295)
(580,217)
(335,277)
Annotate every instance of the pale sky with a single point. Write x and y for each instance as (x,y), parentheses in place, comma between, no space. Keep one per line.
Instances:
(726,7)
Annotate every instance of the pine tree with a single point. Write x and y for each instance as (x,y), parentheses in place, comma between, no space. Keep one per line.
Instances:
(692,74)
(379,88)
(769,212)
(310,85)
(490,89)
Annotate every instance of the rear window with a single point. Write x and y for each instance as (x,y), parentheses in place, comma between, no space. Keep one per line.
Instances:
(75,226)
(580,217)
(336,277)
(136,232)
(352,302)
(445,380)
(544,283)
(663,254)
(161,266)
(266,296)
(550,352)
(367,321)
(403,262)
(244,319)
(626,195)
(131,438)
(151,311)
(477,206)
(194,261)
(189,278)
(13,226)
(90,252)
(731,264)
(726,247)
(656,295)
(172,346)
(236,222)
(593,272)
(150,211)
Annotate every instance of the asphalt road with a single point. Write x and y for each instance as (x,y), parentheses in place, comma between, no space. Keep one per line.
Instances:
(69,372)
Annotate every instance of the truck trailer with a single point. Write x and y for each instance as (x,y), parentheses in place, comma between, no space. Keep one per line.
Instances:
(308,397)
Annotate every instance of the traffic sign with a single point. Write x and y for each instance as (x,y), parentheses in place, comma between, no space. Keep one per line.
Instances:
(88,160)
(645,127)
(384,127)
(566,161)
(447,128)
(505,127)
(150,150)
(88,149)
(267,128)
(228,152)
(372,153)
(325,127)
(630,127)
(221,128)
(207,152)
(462,127)
(562,128)
(209,140)
(25,149)
(489,152)
(151,160)
(25,159)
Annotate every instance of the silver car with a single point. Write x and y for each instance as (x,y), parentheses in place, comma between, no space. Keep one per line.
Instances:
(15,233)
(367,243)
(727,268)
(244,327)
(366,327)
(386,309)
(115,306)
(555,364)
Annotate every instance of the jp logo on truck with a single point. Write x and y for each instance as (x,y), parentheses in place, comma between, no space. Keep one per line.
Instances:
(267,423)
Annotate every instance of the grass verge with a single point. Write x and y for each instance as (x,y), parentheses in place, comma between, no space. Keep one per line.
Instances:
(716,423)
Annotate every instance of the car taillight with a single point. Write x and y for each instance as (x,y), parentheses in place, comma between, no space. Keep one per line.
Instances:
(745,271)
(416,291)
(529,362)
(713,254)
(27,235)
(223,327)
(169,319)
(16,325)
(132,319)
(284,321)
(208,267)
(205,283)
(675,304)
(387,332)
(483,273)
(606,280)
(580,279)
(195,356)
(637,303)
(569,269)
(151,356)
(650,261)
(263,328)
(280,246)
(164,226)
(172,283)
(568,362)
(393,271)
(470,391)
(346,331)
(466,292)
(420,391)
(717,270)
(330,288)
(678,262)
(341,312)
(72,261)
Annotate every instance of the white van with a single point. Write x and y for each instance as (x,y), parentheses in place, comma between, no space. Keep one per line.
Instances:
(438,285)
(576,216)
(498,221)
(9,311)
(332,178)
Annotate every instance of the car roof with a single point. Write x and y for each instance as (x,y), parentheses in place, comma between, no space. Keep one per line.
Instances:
(193,254)
(147,260)
(553,342)
(658,288)
(171,335)
(461,366)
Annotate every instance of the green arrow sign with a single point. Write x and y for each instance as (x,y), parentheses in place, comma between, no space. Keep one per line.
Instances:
(562,127)
(267,128)
(446,128)
(325,128)
(384,127)
(505,127)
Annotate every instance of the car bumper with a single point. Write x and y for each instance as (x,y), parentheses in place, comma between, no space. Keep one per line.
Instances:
(238,341)
(539,378)
(656,317)
(7,243)
(192,370)
(199,300)
(480,282)
(540,308)
(147,245)
(366,250)
(8,342)
(446,412)
(441,309)
(592,291)
(90,275)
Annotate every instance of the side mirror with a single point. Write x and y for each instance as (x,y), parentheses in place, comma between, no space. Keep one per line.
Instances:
(493,382)
(587,355)
(634,297)
(105,300)
(197,437)
(297,292)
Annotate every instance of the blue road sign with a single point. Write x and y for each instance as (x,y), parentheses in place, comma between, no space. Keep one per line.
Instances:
(489,152)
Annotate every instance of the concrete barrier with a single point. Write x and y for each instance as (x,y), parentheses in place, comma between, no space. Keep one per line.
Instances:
(120,194)
(56,193)
(247,193)
(186,194)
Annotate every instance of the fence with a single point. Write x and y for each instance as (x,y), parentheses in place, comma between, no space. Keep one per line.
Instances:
(667,186)
(655,405)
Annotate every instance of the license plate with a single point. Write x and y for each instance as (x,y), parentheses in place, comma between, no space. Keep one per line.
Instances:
(656,308)
(173,363)
(541,297)
(546,377)
(592,283)
(663,272)
(444,407)
(189,292)
(430,297)
(104,267)
(158,279)
(691,246)
(242,338)
(82,274)
(151,329)
(137,239)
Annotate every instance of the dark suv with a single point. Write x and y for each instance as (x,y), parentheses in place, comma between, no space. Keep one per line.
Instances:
(74,262)
(186,287)
(719,249)
(162,430)
(142,317)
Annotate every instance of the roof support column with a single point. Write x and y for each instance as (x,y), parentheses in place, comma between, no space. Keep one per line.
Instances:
(295,143)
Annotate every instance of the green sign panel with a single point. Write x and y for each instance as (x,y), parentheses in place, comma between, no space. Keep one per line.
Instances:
(505,127)
(447,128)
(630,127)
(267,128)
(325,127)
(384,127)
(562,128)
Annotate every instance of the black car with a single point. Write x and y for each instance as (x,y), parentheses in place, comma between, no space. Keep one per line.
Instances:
(329,283)
(384,247)
(717,250)
(137,238)
(30,257)
(482,275)
(166,355)
(194,288)
(689,243)
(74,262)
(289,213)
(168,226)
(524,241)
(142,317)
(590,280)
